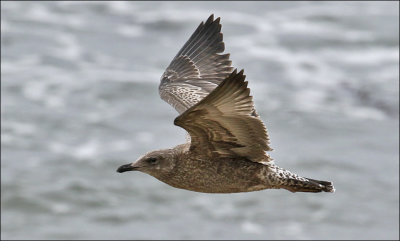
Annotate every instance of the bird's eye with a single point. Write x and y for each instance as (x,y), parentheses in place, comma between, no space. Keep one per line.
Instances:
(152,160)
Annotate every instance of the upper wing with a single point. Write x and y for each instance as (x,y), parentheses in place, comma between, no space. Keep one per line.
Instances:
(223,123)
(197,68)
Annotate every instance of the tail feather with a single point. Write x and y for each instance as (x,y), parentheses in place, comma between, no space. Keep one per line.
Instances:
(327,186)
(285,179)
(309,185)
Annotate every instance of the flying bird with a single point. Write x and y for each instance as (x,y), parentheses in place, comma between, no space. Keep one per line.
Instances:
(227,144)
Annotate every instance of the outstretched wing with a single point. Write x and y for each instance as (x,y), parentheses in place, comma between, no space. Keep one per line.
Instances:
(197,68)
(222,123)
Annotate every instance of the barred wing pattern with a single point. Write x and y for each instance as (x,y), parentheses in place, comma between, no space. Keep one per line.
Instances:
(197,69)
(222,123)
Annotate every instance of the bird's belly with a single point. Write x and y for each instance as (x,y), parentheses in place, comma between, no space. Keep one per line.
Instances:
(221,176)
(223,189)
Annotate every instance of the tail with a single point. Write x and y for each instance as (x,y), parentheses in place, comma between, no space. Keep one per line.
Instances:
(308,185)
(281,178)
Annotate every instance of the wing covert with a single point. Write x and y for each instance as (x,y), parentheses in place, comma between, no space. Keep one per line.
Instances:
(223,122)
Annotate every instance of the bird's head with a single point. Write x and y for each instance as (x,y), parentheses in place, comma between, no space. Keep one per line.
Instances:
(155,163)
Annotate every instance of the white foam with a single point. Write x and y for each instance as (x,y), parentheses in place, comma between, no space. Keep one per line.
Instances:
(6,138)
(304,27)
(251,227)
(58,147)
(356,36)
(121,145)
(60,208)
(87,150)
(54,101)
(221,210)
(26,62)
(364,56)
(362,112)
(35,90)
(293,229)
(130,30)
(71,49)
(40,13)
(22,128)
(121,7)
(309,99)
(124,75)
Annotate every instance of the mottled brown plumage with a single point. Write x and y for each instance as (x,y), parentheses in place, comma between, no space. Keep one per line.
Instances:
(226,151)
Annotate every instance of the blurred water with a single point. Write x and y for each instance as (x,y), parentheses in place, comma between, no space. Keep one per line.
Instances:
(79,97)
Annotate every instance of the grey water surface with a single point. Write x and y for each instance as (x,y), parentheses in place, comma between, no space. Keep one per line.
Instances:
(79,97)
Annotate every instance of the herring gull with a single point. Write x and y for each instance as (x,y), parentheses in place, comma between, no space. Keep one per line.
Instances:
(227,144)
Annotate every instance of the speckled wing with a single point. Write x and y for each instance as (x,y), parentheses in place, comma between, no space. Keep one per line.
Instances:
(197,68)
(223,123)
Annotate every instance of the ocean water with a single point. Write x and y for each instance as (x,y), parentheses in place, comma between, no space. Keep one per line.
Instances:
(79,97)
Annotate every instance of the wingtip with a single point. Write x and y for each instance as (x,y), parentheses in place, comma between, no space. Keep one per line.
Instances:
(234,72)
(237,74)
(241,75)
(210,18)
(236,79)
